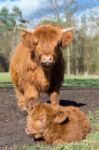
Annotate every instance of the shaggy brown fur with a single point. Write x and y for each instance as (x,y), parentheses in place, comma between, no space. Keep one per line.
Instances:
(28,74)
(57,127)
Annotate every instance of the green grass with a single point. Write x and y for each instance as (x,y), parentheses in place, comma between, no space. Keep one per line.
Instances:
(69,81)
(90,143)
(85,82)
(5,80)
(5,77)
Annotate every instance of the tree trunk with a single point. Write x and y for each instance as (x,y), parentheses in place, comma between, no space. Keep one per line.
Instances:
(68,61)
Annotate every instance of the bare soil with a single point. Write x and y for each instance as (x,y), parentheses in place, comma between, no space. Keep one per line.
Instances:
(12,121)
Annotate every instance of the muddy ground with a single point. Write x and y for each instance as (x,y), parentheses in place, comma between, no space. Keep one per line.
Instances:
(12,121)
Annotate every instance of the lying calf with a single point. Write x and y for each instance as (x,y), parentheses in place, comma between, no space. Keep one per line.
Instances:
(57,127)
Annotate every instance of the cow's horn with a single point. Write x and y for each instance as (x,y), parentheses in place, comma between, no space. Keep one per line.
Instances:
(68,29)
(26,30)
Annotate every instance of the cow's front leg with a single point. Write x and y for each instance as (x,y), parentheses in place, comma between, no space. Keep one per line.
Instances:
(21,102)
(31,95)
(54,98)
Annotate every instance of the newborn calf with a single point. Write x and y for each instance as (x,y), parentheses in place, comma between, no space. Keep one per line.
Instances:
(57,127)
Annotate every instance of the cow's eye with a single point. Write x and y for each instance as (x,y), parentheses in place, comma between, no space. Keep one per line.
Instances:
(59,44)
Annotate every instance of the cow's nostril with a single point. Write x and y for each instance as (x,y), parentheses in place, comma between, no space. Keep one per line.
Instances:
(51,59)
(28,131)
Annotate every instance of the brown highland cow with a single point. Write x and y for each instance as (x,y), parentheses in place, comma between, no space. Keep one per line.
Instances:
(57,127)
(38,65)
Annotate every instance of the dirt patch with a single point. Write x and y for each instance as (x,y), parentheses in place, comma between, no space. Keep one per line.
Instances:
(12,121)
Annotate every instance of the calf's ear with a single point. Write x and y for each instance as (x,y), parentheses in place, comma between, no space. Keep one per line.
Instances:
(60,118)
(26,38)
(66,39)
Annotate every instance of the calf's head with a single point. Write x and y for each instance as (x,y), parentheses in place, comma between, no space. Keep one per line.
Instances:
(45,42)
(43,117)
(37,121)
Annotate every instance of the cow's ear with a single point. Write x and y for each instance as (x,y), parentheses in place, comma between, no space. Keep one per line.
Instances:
(26,38)
(60,118)
(66,38)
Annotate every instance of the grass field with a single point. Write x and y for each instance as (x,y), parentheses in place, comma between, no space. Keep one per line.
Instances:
(5,80)
(5,77)
(90,143)
(69,81)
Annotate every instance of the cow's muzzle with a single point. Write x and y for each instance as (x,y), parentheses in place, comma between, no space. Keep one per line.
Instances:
(47,61)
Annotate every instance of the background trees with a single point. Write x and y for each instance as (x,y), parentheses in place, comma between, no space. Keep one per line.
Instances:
(81,57)
(8,34)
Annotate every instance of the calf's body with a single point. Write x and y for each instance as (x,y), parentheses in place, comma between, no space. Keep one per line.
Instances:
(68,124)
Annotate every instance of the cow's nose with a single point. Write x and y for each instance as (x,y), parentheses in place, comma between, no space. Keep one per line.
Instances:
(47,59)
